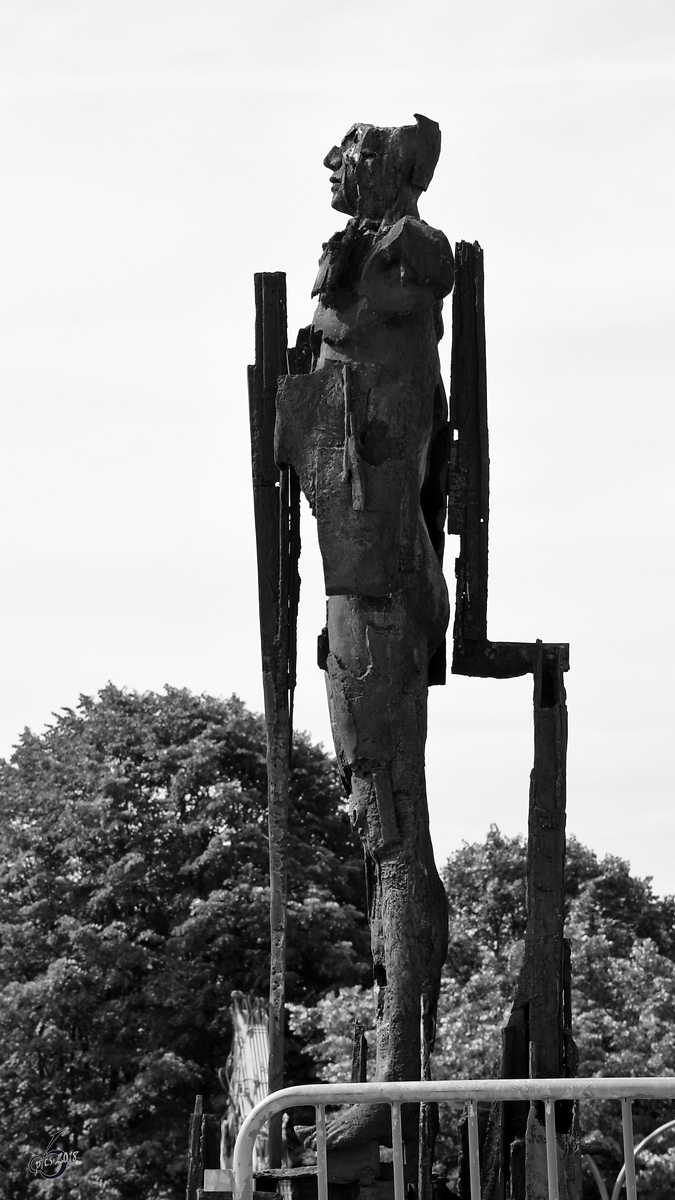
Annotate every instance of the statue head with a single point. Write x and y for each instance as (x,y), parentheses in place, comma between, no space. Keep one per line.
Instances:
(379,172)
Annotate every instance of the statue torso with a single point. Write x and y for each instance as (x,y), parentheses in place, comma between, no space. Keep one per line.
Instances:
(358,429)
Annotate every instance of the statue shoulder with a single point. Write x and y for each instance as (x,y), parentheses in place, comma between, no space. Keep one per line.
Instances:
(400,268)
(422,254)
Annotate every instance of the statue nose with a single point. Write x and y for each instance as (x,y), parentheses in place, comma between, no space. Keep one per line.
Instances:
(333,158)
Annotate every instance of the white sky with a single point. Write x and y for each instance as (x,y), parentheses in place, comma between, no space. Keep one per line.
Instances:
(155,154)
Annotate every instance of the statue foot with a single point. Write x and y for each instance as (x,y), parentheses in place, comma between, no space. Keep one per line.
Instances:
(362,1123)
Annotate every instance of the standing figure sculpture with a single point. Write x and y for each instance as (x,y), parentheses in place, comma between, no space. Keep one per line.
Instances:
(365,428)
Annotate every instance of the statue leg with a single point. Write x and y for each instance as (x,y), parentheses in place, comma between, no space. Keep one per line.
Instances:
(377,687)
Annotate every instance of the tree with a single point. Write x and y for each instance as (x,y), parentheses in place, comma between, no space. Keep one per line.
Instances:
(134,899)
(623,975)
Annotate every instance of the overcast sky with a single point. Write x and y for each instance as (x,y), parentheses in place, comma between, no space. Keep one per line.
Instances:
(155,153)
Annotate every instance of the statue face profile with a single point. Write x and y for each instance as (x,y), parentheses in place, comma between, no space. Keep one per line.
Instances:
(370,170)
(378,171)
(343,161)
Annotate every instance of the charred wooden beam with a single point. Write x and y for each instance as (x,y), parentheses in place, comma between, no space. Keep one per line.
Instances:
(543,963)
(276,498)
(195,1165)
(359,1053)
(469,486)
(503,660)
(537,1040)
(469,476)
(535,1036)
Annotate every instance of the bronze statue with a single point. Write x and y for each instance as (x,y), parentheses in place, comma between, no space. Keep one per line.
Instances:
(366,429)
(356,416)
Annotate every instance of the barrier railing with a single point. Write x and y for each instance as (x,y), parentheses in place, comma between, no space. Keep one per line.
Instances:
(467,1091)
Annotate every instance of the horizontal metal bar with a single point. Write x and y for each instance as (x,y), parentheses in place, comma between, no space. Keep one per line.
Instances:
(442,1091)
(435,1092)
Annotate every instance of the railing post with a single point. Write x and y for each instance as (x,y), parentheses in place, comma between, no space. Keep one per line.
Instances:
(551,1150)
(397,1144)
(474,1157)
(628,1148)
(321,1152)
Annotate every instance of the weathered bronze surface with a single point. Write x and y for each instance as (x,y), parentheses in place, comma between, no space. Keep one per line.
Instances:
(366,431)
(360,424)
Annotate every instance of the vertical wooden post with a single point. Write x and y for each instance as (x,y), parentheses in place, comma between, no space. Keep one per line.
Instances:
(469,460)
(537,1039)
(195,1170)
(546,870)
(276,506)
(209,1143)
(359,1053)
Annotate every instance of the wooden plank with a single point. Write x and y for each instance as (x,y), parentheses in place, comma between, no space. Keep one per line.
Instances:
(285,1172)
(276,506)
(546,871)
(359,1053)
(537,1039)
(195,1165)
(469,476)
(469,486)
(502,660)
(209,1143)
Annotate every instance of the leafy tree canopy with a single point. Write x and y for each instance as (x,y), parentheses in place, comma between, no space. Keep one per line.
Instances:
(133,900)
(623,981)
(623,975)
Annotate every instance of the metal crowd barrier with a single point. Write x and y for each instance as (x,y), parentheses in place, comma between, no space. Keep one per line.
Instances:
(468,1091)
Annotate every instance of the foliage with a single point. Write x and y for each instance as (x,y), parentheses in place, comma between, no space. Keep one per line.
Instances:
(623,968)
(133,864)
(656,1174)
(623,974)
(326,1030)
(133,900)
